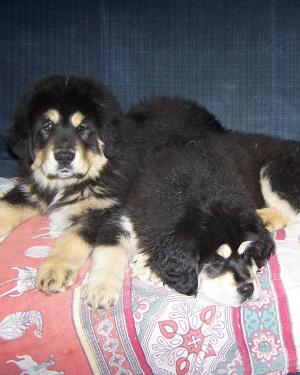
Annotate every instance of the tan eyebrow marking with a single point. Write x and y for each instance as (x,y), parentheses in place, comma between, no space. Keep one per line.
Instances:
(53,115)
(77,118)
(224,250)
(243,247)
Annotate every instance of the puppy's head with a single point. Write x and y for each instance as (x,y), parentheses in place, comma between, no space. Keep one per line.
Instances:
(65,128)
(234,246)
(230,276)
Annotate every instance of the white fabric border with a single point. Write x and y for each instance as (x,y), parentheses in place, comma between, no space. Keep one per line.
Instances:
(288,253)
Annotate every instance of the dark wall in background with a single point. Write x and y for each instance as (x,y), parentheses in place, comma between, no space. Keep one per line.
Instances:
(239,58)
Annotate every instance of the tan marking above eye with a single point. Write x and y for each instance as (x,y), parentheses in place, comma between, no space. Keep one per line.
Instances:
(224,251)
(76,119)
(53,115)
(243,247)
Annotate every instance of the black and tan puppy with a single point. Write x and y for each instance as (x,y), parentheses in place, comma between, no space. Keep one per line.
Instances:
(194,208)
(62,130)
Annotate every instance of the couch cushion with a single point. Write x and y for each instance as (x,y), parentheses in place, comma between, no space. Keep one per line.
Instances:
(152,329)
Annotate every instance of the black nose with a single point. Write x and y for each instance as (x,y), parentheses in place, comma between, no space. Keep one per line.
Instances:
(246,290)
(64,157)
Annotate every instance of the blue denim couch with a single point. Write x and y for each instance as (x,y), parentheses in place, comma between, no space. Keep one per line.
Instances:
(241,59)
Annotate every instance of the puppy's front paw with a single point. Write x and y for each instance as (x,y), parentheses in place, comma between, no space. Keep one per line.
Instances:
(141,270)
(101,293)
(54,276)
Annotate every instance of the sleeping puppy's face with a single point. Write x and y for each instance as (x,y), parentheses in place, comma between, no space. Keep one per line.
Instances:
(61,128)
(230,277)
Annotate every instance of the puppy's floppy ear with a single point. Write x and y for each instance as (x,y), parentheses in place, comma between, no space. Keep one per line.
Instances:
(109,115)
(179,270)
(111,134)
(175,264)
(18,135)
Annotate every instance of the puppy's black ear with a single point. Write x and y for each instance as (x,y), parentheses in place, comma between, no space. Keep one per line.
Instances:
(109,115)
(176,266)
(263,248)
(178,270)
(111,134)
(18,135)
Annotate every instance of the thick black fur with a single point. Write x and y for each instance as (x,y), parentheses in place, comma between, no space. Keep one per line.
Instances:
(189,202)
(201,191)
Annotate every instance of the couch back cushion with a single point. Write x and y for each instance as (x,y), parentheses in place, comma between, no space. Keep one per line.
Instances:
(240,59)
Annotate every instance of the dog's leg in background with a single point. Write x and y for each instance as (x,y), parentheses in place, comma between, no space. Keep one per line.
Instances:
(273,219)
(60,270)
(14,210)
(280,186)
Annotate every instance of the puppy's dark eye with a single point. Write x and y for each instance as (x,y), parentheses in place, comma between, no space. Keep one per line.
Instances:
(84,131)
(48,126)
(82,127)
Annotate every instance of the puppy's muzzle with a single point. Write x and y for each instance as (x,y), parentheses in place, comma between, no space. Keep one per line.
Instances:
(64,157)
(246,290)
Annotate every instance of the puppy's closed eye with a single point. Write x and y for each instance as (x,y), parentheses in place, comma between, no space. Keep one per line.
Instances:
(262,250)
(247,253)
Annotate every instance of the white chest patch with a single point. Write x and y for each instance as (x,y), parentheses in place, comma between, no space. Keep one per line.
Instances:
(130,241)
(59,221)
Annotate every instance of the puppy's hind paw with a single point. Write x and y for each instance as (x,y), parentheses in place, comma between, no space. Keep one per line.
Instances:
(273,219)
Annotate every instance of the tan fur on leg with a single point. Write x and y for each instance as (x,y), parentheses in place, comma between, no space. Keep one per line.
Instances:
(105,281)
(11,216)
(273,219)
(59,271)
